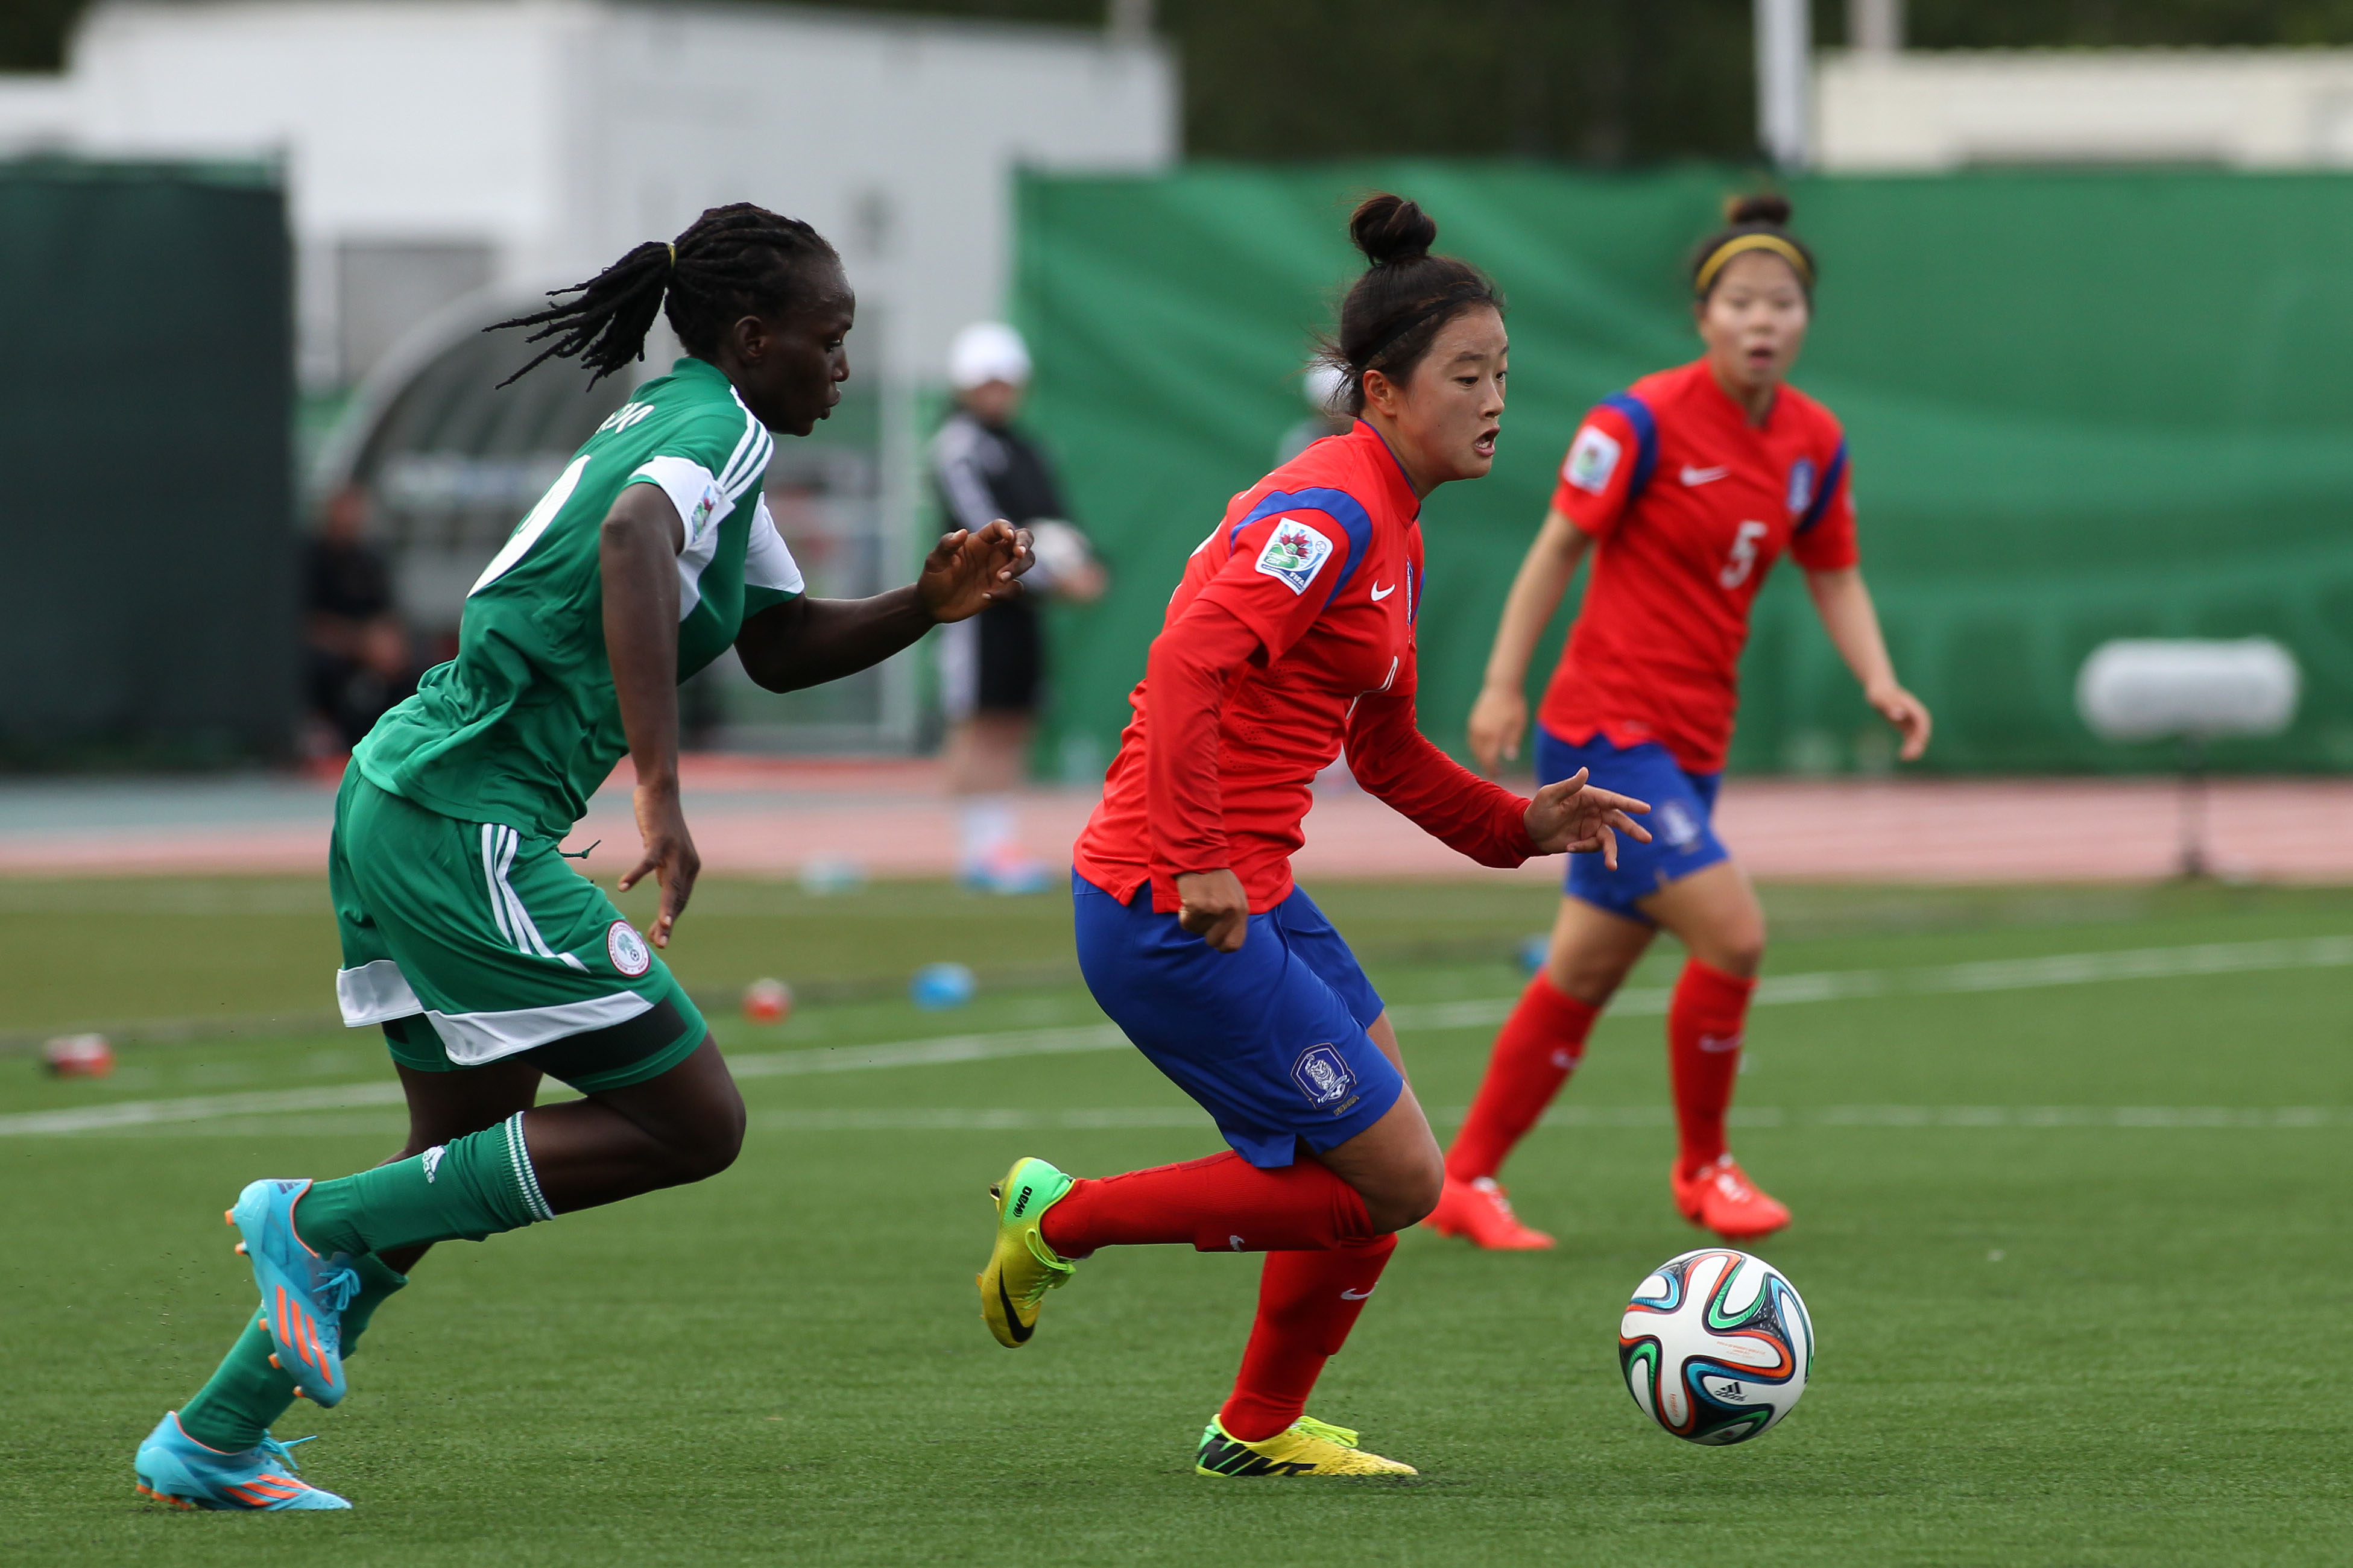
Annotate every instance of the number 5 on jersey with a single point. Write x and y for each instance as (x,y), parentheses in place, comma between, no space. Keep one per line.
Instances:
(1743,555)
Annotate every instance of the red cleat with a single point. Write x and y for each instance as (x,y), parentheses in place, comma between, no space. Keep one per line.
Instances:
(1717,1197)
(1479,1211)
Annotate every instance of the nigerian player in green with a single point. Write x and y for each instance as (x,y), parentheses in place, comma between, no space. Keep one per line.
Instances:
(486,959)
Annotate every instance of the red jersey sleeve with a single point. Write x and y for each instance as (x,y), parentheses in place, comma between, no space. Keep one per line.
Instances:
(1396,762)
(1608,459)
(1280,573)
(1185,680)
(1823,539)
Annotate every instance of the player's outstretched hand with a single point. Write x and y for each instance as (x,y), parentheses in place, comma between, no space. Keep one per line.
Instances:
(1907,713)
(972,569)
(1572,817)
(670,857)
(1213,907)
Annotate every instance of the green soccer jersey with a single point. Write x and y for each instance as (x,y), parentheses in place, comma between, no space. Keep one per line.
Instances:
(523,725)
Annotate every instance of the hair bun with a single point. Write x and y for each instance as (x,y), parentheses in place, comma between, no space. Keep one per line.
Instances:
(1391,229)
(1758,206)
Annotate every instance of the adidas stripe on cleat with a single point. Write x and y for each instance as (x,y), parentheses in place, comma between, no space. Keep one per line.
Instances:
(302,1294)
(1021,1267)
(176,1469)
(1306,1448)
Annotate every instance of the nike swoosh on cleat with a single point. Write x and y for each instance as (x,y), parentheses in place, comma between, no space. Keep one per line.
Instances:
(1380,592)
(1692,476)
(1013,1324)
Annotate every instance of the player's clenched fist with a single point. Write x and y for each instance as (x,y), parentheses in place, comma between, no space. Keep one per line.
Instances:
(1214,908)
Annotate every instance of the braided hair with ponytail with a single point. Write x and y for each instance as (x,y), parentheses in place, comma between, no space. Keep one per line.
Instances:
(732,262)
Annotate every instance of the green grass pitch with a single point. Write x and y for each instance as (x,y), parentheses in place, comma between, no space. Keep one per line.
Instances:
(2066,1335)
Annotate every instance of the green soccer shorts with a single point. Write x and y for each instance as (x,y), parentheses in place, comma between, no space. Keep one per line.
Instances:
(470,944)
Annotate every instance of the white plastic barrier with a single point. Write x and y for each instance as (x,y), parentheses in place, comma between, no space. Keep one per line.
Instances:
(2196,690)
(2150,689)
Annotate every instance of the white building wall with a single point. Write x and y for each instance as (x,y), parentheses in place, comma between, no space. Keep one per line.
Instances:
(1924,110)
(559,132)
(897,140)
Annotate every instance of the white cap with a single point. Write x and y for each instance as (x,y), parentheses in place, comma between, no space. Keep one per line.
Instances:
(1322,382)
(986,352)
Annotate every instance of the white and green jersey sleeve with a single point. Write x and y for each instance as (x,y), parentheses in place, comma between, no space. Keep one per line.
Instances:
(522,726)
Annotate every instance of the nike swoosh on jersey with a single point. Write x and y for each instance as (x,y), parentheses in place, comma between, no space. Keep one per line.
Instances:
(1380,592)
(1692,476)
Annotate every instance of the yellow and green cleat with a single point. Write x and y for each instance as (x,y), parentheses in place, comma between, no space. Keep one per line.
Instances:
(1306,1448)
(1022,1268)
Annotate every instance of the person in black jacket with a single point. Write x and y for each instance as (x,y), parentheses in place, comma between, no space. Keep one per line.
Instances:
(993,667)
(356,657)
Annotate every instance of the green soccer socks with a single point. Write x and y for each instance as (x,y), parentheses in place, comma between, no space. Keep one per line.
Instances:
(468,1188)
(246,1392)
(471,1187)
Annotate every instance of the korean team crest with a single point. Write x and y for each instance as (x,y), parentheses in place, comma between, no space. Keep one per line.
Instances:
(628,950)
(1323,1076)
(1802,485)
(1294,552)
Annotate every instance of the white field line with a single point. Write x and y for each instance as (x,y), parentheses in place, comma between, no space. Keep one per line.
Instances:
(200,1108)
(926,1053)
(1620,1117)
(1644,1115)
(2000,975)
(2004,974)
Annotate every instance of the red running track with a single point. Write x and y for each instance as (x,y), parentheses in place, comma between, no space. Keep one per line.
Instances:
(767,817)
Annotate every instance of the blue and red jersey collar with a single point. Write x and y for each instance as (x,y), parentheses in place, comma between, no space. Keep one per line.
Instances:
(1701,371)
(1363,433)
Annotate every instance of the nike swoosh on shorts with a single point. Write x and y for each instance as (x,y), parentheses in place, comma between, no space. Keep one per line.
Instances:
(1380,592)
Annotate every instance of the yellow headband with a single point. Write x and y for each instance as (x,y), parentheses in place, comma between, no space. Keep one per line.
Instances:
(1740,242)
(673,256)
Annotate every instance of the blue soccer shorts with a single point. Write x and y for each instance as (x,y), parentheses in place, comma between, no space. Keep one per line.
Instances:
(1682,832)
(1269,1039)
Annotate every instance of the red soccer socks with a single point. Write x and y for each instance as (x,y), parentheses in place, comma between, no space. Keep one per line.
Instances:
(1539,1046)
(1704,1021)
(1307,1302)
(1222,1204)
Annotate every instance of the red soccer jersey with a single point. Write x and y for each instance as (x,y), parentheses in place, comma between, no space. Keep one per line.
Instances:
(1689,505)
(1289,639)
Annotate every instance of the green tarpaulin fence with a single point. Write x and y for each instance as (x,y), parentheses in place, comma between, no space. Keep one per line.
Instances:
(147,537)
(2081,406)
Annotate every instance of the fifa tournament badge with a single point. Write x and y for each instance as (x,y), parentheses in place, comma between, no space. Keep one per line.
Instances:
(1294,552)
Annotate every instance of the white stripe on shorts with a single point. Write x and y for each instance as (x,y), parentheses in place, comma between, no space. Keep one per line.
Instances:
(506,904)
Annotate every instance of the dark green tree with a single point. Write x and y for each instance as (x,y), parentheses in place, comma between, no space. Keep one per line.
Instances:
(1604,82)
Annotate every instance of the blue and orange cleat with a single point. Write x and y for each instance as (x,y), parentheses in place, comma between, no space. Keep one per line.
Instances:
(175,1469)
(302,1294)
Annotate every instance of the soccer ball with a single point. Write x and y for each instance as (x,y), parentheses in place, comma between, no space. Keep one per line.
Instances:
(767,1001)
(1715,1346)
